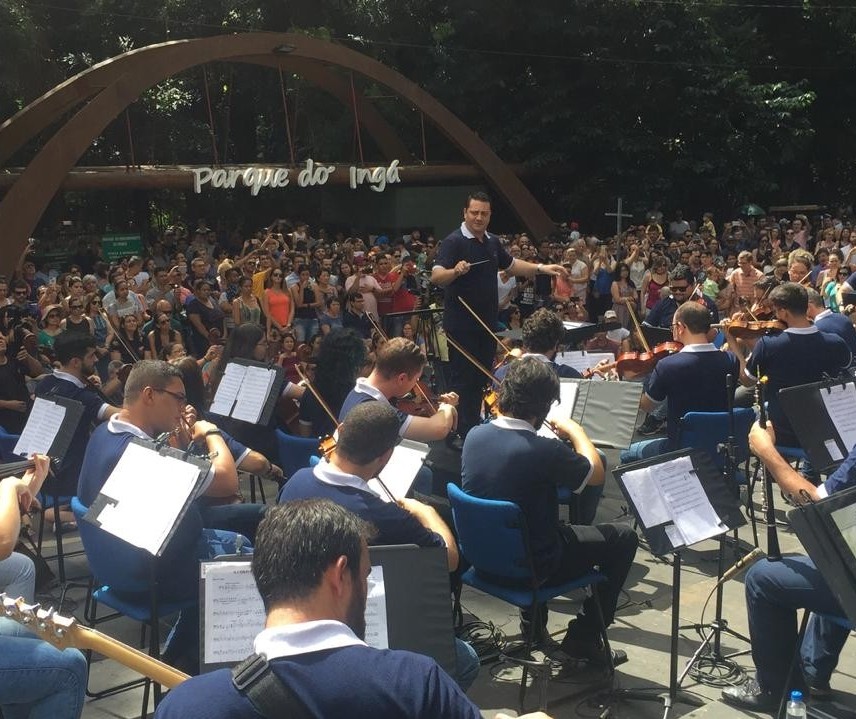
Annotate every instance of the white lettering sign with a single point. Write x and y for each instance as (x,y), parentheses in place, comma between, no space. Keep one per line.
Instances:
(312,175)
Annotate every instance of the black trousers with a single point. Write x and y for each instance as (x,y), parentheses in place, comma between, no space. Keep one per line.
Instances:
(469,381)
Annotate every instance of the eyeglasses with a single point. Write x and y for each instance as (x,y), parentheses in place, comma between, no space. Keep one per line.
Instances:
(181,398)
(676,288)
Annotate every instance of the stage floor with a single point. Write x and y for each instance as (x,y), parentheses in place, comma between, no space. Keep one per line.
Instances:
(641,629)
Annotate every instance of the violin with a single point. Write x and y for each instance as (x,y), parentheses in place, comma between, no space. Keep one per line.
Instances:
(751,329)
(640,362)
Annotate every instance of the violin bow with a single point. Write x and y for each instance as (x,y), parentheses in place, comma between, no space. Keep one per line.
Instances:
(472,359)
(416,387)
(119,337)
(636,324)
(484,324)
(326,408)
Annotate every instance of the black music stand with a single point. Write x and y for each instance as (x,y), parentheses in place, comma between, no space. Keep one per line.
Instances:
(664,537)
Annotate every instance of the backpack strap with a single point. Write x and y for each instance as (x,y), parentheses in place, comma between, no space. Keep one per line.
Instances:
(269,695)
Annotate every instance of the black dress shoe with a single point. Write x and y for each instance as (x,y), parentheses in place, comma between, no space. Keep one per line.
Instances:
(593,651)
(750,696)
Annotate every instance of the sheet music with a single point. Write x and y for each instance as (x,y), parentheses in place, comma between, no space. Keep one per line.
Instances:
(377,635)
(687,502)
(402,468)
(564,408)
(840,404)
(39,433)
(580,360)
(645,494)
(234,613)
(254,393)
(148,491)
(228,389)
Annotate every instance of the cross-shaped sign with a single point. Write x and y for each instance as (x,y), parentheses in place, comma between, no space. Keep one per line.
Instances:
(618,215)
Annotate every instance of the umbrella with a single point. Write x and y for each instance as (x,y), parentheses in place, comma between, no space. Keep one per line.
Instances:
(751,210)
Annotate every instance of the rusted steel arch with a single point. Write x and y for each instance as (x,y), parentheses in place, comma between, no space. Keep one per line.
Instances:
(47,109)
(26,201)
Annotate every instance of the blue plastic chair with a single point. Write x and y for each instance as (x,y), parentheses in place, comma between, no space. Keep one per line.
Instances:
(7,444)
(105,555)
(294,452)
(493,537)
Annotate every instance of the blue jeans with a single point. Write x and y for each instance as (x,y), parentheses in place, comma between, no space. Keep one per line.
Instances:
(18,576)
(646,449)
(774,593)
(36,679)
(304,328)
(466,664)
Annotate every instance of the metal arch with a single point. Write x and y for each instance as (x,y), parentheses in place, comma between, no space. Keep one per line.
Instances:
(42,112)
(26,201)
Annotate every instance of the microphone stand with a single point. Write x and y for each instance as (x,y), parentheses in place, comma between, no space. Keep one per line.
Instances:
(713,666)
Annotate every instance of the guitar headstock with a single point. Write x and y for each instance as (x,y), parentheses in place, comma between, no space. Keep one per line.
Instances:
(45,623)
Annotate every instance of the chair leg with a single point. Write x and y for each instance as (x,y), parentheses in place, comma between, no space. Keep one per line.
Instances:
(262,491)
(60,563)
(253,488)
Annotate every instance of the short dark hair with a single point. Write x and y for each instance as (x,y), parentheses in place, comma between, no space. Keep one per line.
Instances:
(479,196)
(529,389)
(397,356)
(542,331)
(813,297)
(791,297)
(682,272)
(68,345)
(296,543)
(370,429)
(696,317)
(149,373)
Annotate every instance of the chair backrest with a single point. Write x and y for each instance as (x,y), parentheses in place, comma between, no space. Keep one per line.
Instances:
(294,452)
(707,430)
(492,535)
(107,555)
(7,445)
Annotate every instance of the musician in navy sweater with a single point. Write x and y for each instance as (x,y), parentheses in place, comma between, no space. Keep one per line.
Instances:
(833,323)
(155,402)
(776,590)
(311,566)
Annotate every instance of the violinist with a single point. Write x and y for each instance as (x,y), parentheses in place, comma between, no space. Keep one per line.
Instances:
(682,286)
(831,322)
(542,333)
(799,355)
(507,460)
(397,369)
(75,380)
(692,380)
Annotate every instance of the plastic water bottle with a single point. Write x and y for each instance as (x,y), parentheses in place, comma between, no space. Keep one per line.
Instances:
(796,706)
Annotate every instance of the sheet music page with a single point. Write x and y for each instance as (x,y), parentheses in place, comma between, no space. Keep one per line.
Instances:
(149,491)
(234,613)
(686,501)
(41,429)
(254,393)
(645,494)
(581,360)
(840,404)
(400,471)
(228,389)
(377,635)
(564,408)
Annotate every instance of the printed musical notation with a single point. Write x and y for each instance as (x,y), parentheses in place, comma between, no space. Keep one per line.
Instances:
(234,613)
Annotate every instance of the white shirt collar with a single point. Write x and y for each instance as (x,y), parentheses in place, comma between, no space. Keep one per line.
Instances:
(118,426)
(504,422)
(296,639)
(810,330)
(364,387)
(541,358)
(469,235)
(328,474)
(703,347)
(821,315)
(59,374)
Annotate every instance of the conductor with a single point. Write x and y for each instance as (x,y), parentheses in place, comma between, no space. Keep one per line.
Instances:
(466,266)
